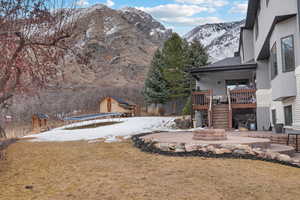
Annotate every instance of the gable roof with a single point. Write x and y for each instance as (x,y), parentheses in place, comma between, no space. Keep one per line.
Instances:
(227,64)
(119,100)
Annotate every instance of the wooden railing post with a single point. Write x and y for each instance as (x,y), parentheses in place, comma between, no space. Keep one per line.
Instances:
(229,110)
(210,114)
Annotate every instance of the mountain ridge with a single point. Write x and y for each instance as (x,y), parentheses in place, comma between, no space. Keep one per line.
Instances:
(220,39)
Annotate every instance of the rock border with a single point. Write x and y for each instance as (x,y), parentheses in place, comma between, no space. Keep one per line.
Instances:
(149,146)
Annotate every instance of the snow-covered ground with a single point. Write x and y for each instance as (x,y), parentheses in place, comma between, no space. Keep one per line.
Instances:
(128,127)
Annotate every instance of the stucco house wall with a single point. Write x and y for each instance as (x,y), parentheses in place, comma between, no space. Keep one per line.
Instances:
(288,89)
(266,18)
(217,81)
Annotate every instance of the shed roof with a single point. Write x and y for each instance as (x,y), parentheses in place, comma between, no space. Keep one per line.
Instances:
(41,115)
(120,100)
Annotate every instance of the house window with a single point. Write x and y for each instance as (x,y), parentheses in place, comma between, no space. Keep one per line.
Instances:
(288,54)
(274,117)
(288,115)
(274,64)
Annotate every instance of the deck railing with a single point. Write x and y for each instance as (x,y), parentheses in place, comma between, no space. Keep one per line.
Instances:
(201,99)
(243,97)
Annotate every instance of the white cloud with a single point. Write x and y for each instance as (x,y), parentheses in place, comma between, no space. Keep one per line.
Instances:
(190,21)
(82,3)
(175,10)
(110,3)
(212,3)
(239,8)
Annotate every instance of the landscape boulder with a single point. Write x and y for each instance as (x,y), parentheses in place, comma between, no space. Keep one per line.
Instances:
(183,123)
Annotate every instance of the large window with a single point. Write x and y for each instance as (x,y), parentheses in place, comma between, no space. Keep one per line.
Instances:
(274,64)
(288,115)
(288,54)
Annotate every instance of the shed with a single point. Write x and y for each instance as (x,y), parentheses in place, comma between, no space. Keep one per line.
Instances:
(39,121)
(114,104)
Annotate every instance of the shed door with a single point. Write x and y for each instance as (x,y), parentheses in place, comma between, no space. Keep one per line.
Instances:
(109,105)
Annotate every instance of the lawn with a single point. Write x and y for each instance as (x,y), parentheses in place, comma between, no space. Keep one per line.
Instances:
(118,171)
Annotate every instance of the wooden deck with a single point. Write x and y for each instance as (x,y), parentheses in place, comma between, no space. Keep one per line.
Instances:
(235,99)
(239,99)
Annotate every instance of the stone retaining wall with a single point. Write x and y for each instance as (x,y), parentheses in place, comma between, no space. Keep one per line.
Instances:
(275,138)
(209,151)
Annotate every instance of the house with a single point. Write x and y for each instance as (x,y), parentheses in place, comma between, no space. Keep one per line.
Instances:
(117,105)
(263,79)
(39,122)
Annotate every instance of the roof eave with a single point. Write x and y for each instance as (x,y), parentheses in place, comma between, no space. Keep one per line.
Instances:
(251,13)
(224,68)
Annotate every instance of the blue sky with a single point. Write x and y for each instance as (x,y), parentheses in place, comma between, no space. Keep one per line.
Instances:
(182,15)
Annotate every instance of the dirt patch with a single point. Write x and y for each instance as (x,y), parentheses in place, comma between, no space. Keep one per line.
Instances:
(118,171)
(96,125)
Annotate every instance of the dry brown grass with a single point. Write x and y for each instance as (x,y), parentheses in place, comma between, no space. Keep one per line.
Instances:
(118,171)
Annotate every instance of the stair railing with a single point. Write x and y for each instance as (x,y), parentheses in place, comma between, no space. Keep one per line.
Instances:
(210,115)
(229,110)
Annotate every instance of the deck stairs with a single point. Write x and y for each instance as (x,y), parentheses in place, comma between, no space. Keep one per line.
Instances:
(220,116)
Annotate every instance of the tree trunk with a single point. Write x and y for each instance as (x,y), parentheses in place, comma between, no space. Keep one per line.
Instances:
(2,133)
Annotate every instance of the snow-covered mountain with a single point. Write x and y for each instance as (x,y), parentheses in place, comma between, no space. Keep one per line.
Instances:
(221,39)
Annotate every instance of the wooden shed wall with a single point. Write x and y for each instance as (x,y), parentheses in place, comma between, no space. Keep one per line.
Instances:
(114,106)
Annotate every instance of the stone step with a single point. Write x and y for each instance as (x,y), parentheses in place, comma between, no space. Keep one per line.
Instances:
(283,149)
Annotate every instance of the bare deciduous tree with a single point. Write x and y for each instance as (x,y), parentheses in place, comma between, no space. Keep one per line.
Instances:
(33,38)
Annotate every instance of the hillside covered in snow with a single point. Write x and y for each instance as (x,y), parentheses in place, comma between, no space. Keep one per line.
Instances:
(221,39)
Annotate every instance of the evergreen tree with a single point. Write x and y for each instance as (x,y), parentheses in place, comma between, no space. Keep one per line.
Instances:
(174,69)
(187,110)
(155,88)
(197,55)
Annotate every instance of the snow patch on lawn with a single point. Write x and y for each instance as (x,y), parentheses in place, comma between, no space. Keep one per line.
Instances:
(127,128)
